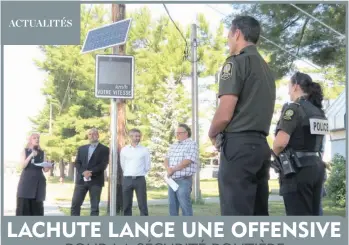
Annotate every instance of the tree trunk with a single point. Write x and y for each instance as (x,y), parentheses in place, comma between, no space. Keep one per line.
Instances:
(71,171)
(52,170)
(61,169)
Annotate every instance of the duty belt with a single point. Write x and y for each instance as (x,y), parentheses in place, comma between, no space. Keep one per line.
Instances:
(307,154)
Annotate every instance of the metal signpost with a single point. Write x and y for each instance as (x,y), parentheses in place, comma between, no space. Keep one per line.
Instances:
(114,80)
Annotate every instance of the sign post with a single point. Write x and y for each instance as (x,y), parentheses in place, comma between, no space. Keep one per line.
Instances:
(114,80)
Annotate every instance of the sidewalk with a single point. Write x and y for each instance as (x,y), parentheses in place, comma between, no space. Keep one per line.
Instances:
(86,204)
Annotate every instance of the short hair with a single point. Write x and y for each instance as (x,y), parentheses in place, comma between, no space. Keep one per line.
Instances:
(249,27)
(186,127)
(135,130)
(94,130)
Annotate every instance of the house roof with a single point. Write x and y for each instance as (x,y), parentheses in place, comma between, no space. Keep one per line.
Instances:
(336,113)
(337,105)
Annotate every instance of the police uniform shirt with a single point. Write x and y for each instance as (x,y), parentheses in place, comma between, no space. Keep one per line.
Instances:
(248,76)
(295,122)
(289,118)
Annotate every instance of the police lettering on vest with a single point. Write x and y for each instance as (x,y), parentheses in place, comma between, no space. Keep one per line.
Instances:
(318,126)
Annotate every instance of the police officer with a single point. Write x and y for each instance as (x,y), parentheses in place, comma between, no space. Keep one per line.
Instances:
(243,118)
(301,128)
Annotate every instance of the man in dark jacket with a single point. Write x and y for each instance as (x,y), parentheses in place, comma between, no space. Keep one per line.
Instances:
(91,162)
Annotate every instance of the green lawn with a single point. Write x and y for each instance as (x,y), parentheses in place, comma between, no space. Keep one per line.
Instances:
(212,209)
(64,192)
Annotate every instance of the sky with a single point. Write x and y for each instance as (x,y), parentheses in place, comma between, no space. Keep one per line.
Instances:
(23,77)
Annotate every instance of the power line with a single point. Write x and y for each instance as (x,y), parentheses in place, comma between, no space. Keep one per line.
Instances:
(218,11)
(185,40)
(290,53)
(72,70)
(316,19)
(268,40)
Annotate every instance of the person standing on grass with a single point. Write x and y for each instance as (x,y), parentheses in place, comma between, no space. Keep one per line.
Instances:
(90,163)
(31,192)
(135,164)
(181,164)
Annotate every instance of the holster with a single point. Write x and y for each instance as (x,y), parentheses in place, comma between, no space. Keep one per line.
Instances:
(284,163)
(288,166)
(294,158)
(275,164)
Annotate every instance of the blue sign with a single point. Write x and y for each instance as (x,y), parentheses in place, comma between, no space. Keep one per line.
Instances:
(107,36)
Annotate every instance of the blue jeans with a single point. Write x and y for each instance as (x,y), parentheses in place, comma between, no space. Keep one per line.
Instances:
(181,198)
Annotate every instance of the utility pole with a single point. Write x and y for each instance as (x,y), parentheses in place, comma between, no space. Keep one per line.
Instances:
(50,129)
(195,100)
(216,81)
(118,120)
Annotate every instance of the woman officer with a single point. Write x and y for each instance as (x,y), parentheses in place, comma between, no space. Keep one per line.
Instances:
(302,190)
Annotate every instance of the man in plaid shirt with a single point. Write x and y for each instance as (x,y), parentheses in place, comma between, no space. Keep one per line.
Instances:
(181,163)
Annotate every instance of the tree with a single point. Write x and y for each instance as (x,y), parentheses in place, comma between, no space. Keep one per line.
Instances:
(162,101)
(301,35)
(171,112)
(160,70)
(69,87)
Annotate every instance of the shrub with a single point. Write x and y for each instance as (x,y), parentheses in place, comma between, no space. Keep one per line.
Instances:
(336,183)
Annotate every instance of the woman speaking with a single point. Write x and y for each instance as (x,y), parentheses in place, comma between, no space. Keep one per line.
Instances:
(31,190)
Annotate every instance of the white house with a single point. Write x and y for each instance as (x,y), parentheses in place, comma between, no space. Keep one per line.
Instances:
(336,140)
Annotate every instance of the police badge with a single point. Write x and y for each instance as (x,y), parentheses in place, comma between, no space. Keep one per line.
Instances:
(288,114)
(227,71)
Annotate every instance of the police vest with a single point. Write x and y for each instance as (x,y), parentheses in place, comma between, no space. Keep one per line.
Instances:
(310,132)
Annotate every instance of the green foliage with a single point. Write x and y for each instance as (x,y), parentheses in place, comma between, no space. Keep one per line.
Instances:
(161,100)
(304,37)
(336,183)
(170,113)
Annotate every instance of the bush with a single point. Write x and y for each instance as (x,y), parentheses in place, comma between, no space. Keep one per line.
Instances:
(336,183)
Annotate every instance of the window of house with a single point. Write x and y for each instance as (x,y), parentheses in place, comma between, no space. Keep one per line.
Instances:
(345,120)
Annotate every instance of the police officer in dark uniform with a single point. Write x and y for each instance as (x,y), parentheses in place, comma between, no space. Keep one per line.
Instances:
(243,118)
(299,134)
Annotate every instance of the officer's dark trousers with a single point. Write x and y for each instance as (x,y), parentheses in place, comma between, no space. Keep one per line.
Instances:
(79,195)
(137,184)
(243,174)
(302,191)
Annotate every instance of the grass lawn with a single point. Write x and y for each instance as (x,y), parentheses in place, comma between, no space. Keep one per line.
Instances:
(212,209)
(64,192)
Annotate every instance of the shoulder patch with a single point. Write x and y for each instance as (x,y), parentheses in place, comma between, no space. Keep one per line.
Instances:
(288,114)
(227,71)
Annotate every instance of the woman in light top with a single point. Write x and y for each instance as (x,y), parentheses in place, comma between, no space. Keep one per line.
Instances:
(31,190)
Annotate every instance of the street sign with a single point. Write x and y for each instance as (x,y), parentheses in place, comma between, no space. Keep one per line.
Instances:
(107,36)
(114,76)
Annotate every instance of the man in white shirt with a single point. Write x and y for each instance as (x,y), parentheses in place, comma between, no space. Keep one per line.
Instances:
(135,164)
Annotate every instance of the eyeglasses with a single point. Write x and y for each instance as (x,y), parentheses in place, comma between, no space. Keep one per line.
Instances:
(180,132)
